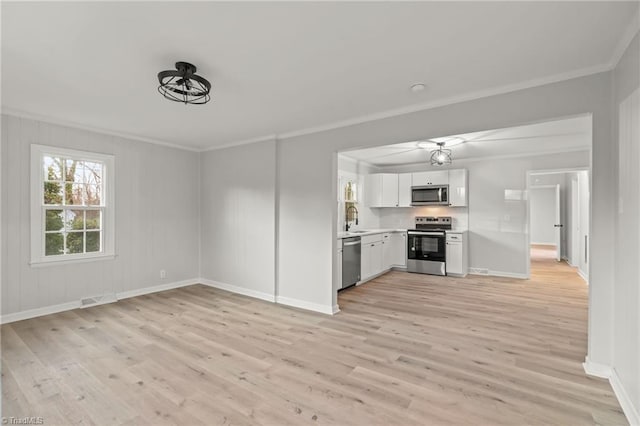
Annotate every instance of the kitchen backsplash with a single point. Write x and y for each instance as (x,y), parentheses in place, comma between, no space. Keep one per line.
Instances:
(403,218)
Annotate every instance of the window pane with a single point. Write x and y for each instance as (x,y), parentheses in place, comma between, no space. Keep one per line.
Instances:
(52,193)
(92,173)
(74,194)
(92,219)
(92,195)
(74,171)
(75,220)
(54,220)
(54,244)
(52,168)
(75,242)
(93,241)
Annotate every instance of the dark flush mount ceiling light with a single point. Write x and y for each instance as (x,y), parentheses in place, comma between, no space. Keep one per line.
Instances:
(441,155)
(183,85)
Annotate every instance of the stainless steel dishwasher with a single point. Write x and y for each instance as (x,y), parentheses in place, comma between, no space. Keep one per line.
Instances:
(351,249)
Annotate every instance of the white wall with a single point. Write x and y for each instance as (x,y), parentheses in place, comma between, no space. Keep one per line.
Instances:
(312,183)
(238,197)
(156,216)
(542,205)
(626,327)
(584,238)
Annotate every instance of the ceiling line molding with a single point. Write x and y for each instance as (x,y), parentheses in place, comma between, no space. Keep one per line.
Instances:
(494,157)
(60,122)
(330,126)
(267,138)
(583,72)
(630,32)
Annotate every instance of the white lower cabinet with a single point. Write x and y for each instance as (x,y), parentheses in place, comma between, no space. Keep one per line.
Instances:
(381,252)
(371,261)
(338,268)
(457,263)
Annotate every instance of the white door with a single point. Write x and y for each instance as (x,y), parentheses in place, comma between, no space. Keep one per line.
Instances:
(558,225)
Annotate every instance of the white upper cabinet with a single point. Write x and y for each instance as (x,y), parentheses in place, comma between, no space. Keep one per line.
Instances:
(458,182)
(394,190)
(438,177)
(404,190)
(381,190)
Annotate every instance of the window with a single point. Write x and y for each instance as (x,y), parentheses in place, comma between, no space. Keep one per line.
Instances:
(71,205)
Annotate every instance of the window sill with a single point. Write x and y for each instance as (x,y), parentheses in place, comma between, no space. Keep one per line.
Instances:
(57,262)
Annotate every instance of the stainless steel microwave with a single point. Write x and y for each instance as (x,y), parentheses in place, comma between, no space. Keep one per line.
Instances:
(431,195)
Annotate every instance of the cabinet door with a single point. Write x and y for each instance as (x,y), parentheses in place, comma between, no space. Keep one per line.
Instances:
(404,190)
(377,262)
(338,277)
(458,188)
(389,190)
(454,258)
(365,261)
(387,251)
(438,177)
(373,190)
(398,245)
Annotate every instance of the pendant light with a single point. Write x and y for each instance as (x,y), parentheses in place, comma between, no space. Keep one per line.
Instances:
(184,85)
(440,156)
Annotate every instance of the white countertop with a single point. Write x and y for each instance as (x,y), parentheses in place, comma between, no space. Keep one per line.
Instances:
(456,231)
(364,232)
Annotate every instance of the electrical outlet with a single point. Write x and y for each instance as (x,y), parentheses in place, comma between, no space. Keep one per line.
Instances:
(163,274)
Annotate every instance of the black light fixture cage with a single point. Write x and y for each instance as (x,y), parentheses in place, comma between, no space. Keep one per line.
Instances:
(183,85)
(440,156)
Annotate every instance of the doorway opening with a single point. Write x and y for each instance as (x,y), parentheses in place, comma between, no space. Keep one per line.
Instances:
(559,205)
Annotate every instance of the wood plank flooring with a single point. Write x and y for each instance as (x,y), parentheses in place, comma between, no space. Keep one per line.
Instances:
(406,349)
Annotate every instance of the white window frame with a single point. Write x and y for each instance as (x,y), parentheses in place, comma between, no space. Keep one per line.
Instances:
(38,257)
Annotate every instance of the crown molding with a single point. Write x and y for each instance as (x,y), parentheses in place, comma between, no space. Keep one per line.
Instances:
(60,122)
(500,90)
(267,138)
(626,39)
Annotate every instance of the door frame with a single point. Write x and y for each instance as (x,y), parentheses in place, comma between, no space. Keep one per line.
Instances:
(528,175)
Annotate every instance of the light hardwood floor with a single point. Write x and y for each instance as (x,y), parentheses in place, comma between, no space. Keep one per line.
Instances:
(406,349)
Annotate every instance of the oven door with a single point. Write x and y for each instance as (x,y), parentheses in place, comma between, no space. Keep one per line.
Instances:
(425,245)
(430,195)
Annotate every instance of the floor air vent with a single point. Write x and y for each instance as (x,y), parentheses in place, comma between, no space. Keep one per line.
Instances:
(479,271)
(97,300)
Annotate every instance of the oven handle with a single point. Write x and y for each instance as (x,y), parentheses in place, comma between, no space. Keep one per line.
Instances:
(429,234)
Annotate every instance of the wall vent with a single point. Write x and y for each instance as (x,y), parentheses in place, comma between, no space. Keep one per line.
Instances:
(479,271)
(98,300)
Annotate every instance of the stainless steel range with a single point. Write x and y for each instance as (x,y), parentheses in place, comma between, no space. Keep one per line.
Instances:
(426,251)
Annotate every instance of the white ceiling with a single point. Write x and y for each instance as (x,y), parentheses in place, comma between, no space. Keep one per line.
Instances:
(278,68)
(558,136)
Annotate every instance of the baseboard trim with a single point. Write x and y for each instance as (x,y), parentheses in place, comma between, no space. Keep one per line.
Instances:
(583,276)
(76,304)
(239,290)
(39,312)
(335,309)
(623,398)
(543,244)
(489,273)
(302,304)
(156,288)
(596,369)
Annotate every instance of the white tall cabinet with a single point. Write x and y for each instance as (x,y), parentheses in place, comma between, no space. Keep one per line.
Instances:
(458,182)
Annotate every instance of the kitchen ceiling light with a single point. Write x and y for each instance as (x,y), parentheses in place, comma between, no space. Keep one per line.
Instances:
(183,85)
(441,155)
(418,87)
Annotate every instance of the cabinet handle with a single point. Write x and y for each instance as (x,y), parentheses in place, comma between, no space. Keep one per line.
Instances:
(373,245)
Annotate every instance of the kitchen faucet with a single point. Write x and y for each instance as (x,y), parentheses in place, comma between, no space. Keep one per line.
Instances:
(346,216)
